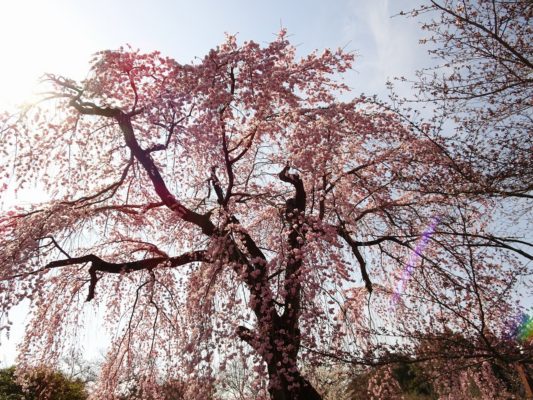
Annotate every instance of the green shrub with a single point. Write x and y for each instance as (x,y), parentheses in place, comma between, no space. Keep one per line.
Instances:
(40,384)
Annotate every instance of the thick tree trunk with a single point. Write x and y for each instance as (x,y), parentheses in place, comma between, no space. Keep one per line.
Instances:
(280,353)
(290,386)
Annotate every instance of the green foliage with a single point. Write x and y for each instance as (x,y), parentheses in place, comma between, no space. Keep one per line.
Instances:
(413,382)
(9,389)
(41,384)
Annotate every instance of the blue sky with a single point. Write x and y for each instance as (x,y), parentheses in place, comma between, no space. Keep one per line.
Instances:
(59,36)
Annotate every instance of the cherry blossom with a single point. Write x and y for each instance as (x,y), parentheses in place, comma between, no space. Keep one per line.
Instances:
(234,209)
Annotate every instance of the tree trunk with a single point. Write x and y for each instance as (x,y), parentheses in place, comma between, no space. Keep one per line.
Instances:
(290,386)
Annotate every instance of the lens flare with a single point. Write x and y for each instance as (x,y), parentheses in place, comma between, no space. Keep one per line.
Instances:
(520,328)
(415,255)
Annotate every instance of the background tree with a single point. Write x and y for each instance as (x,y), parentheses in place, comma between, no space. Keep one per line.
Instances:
(236,382)
(483,82)
(233,207)
(480,91)
(40,384)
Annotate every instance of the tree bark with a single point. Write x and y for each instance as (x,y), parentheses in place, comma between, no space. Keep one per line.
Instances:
(290,385)
(279,349)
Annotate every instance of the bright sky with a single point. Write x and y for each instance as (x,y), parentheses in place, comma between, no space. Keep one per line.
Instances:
(59,36)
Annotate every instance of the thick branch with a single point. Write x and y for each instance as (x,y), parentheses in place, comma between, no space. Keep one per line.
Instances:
(245,334)
(88,108)
(202,221)
(99,265)
(144,158)
(355,250)
(299,199)
(216,185)
(294,212)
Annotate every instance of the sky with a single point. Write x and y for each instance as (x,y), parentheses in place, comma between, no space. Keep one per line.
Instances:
(60,36)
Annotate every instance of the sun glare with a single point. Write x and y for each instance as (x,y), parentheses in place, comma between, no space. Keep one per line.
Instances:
(35,38)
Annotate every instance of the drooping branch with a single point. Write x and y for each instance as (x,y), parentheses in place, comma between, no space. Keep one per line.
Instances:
(112,188)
